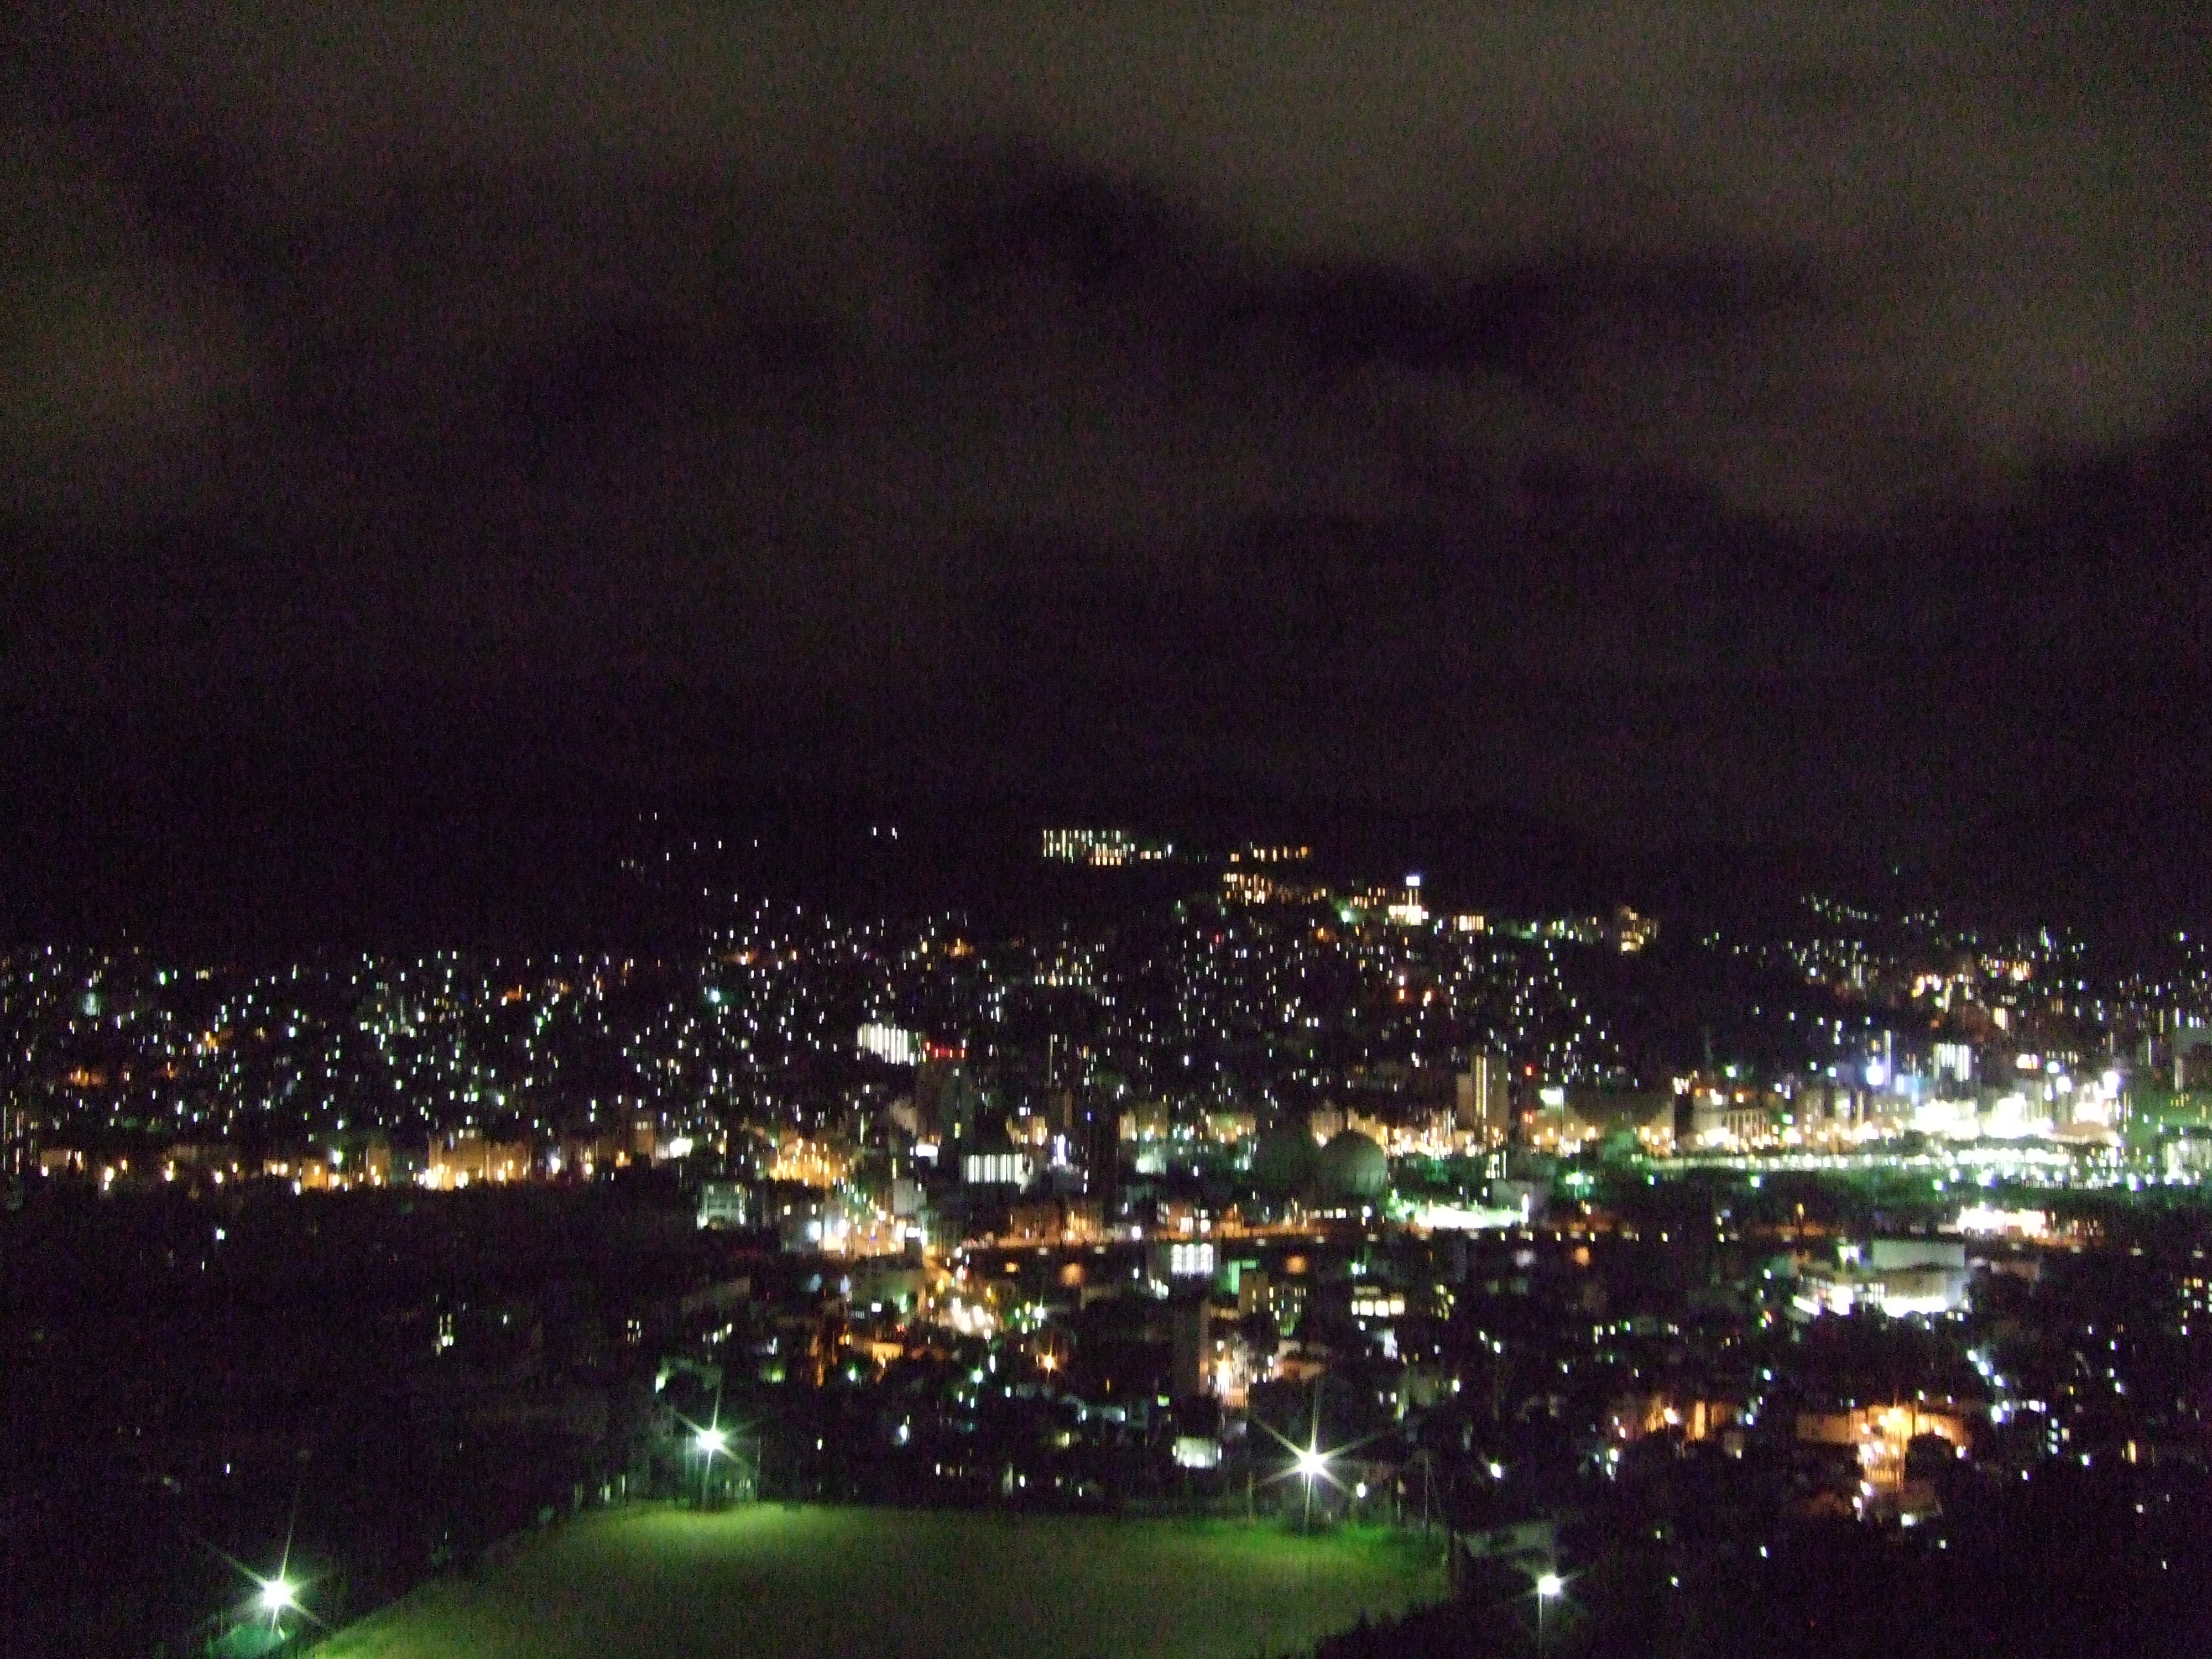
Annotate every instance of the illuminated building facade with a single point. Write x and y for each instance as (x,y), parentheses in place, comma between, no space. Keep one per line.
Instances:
(892,1044)
(1902,1278)
(1482,1103)
(1103,849)
(1008,1169)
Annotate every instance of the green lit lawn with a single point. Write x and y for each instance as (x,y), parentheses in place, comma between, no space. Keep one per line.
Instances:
(774,1583)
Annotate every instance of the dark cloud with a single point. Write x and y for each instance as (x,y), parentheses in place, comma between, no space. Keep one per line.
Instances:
(1621,410)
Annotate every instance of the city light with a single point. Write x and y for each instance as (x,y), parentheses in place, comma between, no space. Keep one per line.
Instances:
(937,1242)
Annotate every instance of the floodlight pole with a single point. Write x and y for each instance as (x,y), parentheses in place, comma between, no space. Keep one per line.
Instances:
(1313,1445)
(707,1467)
(1547,1586)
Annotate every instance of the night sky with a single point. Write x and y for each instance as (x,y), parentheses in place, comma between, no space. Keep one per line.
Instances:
(1753,430)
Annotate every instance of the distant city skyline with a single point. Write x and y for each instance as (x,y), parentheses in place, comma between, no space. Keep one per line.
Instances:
(1723,453)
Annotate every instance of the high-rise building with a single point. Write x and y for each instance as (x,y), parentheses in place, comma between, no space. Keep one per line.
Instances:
(1006,1169)
(1483,1094)
(946,1101)
(892,1043)
(1954,1063)
(18,1151)
(724,1204)
(1094,1142)
(1102,849)
(1408,910)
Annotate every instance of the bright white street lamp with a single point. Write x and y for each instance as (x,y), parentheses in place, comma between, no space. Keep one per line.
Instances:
(278,1595)
(1549,1588)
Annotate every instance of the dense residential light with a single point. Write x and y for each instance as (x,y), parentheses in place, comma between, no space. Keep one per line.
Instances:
(1498,1268)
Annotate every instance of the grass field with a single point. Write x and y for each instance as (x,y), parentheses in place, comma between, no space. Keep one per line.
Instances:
(766,1582)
